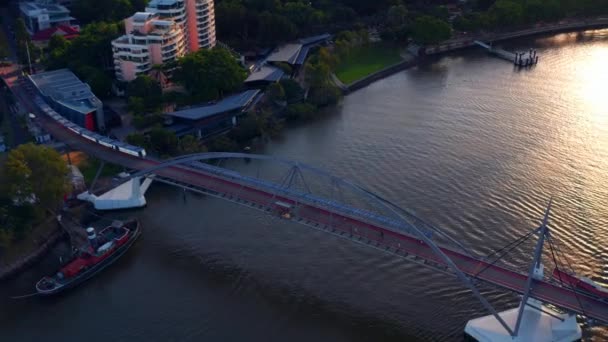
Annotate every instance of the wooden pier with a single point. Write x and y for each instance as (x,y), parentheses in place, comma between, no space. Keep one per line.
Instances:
(520,59)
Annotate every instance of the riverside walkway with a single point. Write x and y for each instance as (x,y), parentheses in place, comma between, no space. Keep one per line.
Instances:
(465,42)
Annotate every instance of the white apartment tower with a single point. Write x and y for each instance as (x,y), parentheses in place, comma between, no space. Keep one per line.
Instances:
(164,32)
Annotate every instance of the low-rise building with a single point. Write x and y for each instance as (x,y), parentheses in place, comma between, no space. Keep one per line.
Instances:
(42,37)
(70,97)
(211,118)
(295,54)
(41,15)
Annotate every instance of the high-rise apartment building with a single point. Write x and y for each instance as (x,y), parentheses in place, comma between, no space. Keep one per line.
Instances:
(164,32)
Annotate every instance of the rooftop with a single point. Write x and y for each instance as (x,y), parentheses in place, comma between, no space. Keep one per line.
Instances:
(228,104)
(287,53)
(315,39)
(296,53)
(154,3)
(34,8)
(143,16)
(68,32)
(265,73)
(63,87)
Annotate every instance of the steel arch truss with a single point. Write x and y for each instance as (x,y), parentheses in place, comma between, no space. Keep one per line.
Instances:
(294,201)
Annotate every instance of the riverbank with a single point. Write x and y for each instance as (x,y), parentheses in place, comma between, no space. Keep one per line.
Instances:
(390,70)
(462,43)
(26,253)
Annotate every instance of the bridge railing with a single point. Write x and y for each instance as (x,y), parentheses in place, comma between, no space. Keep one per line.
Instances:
(311,199)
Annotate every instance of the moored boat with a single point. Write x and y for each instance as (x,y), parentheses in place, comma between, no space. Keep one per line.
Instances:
(104,248)
(582,284)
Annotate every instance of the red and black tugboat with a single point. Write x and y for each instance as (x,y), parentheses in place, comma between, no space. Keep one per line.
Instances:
(104,248)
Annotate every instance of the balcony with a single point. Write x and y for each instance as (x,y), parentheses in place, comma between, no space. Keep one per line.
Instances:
(144,67)
(170,48)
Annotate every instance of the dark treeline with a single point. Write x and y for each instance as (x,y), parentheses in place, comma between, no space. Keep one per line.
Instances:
(499,15)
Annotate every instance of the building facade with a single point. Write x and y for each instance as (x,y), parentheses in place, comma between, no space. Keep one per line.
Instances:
(150,41)
(167,30)
(42,15)
(70,97)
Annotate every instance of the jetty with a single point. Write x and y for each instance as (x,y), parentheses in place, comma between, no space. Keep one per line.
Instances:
(520,59)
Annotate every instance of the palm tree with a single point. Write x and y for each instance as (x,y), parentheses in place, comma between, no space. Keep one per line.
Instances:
(158,73)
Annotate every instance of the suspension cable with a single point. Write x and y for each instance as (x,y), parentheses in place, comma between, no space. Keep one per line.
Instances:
(522,239)
(525,236)
(557,265)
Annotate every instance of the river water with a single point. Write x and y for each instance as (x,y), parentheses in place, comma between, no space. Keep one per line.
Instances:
(466,141)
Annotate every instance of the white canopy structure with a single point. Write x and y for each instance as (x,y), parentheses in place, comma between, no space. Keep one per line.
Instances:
(535,326)
(125,196)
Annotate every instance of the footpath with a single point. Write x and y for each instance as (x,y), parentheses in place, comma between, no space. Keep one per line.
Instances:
(466,42)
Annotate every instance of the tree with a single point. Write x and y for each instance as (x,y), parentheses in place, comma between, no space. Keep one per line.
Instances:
(441,12)
(137,139)
(24,43)
(148,90)
(327,58)
(274,29)
(223,144)
(99,80)
(189,144)
(302,14)
(36,170)
(471,22)
(248,128)
(300,111)
(505,13)
(231,20)
(58,42)
(209,74)
(430,30)
(317,73)
(292,89)
(275,92)
(107,10)
(136,105)
(396,17)
(163,141)
(89,55)
(325,95)
(93,46)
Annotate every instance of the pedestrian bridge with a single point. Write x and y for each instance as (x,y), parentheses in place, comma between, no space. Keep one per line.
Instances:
(322,201)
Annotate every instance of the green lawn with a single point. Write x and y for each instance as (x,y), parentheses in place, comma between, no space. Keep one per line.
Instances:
(90,166)
(366,60)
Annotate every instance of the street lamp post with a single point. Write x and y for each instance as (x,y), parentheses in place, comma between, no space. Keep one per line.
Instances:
(29,61)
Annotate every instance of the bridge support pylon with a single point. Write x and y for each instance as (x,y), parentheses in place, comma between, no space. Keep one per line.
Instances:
(533,321)
(125,196)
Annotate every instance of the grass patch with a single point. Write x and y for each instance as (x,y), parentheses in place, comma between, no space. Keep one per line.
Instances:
(365,60)
(89,165)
